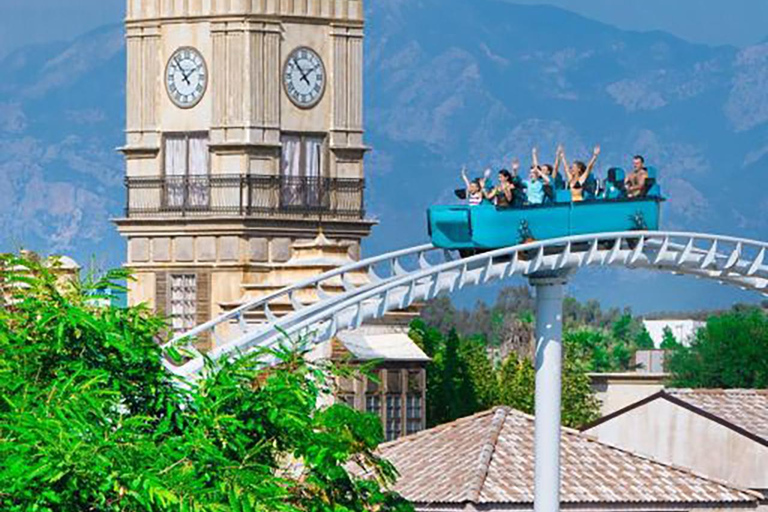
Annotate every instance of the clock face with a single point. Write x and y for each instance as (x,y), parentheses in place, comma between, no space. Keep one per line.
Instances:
(304,77)
(186,77)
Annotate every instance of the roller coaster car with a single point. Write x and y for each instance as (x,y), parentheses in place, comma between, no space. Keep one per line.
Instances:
(471,229)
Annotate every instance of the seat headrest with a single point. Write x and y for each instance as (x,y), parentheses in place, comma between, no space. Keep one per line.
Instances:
(616,174)
(652,172)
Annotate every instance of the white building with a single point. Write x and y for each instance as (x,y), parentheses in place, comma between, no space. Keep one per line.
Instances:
(722,434)
(684,330)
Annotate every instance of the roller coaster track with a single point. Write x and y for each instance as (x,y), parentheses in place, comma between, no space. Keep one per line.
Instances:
(398,279)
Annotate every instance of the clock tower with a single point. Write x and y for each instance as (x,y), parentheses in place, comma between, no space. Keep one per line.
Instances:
(244,148)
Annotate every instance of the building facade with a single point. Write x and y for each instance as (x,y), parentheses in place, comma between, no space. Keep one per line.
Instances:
(617,390)
(244,138)
(395,389)
(722,434)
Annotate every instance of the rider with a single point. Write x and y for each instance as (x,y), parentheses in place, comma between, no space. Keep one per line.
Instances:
(475,188)
(578,174)
(538,182)
(502,194)
(635,181)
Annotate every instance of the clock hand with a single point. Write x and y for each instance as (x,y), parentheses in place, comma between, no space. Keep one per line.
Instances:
(186,75)
(303,75)
(181,69)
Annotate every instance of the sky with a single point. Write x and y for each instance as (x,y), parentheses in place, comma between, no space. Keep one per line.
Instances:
(713,22)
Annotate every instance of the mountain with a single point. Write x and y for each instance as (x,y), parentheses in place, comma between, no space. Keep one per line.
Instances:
(61,118)
(484,81)
(448,82)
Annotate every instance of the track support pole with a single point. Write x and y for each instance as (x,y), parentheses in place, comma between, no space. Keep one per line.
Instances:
(550,291)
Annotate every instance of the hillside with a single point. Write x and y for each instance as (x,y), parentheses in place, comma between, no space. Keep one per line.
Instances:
(480,84)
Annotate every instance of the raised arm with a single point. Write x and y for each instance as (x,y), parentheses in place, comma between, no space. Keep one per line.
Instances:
(556,168)
(488,194)
(592,161)
(541,174)
(535,157)
(515,166)
(464,176)
(566,167)
(484,179)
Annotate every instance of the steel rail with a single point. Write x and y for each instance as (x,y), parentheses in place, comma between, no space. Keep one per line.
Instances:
(676,252)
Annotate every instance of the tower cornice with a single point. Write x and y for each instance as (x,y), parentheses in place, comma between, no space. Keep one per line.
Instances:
(310,11)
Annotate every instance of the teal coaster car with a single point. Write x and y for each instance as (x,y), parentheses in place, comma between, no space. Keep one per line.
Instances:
(486,227)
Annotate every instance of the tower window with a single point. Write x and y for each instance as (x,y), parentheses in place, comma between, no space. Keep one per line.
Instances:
(413,413)
(394,416)
(187,170)
(183,302)
(373,404)
(302,166)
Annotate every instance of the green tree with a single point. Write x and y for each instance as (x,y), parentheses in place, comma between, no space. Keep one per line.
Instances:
(517,384)
(480,370)
(451,390)
(593,346)
(90,419)
(668,341)
(731,351)
(582,404)
(643,340)
(462,380)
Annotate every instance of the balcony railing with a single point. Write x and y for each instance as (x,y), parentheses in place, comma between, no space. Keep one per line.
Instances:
(237,195)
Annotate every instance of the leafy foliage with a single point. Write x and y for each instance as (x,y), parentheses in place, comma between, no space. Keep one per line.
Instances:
(668,341)
(608,350)
(507,326)
(482,357)
(462,379)
(90,419)
(731,351)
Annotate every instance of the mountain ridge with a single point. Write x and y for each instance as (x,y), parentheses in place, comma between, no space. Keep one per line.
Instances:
(480,84)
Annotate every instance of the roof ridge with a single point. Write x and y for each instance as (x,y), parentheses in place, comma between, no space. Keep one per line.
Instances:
(702,409)
(713,391)
(674,467)
(532,419)
(486,453)
(438,428)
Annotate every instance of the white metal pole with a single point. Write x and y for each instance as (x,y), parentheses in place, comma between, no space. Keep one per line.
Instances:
(549,355)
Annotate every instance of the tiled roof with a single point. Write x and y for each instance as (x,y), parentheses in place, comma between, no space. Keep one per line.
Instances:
(744,408)
(488,458)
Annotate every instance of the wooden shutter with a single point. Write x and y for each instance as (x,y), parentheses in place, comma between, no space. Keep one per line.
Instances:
(161,293)
(204,306)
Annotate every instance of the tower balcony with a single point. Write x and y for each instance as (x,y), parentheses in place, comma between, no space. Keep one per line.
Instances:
(244,196)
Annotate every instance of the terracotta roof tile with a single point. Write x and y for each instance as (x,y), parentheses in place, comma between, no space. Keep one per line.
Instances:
(488,458)
(745,408)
